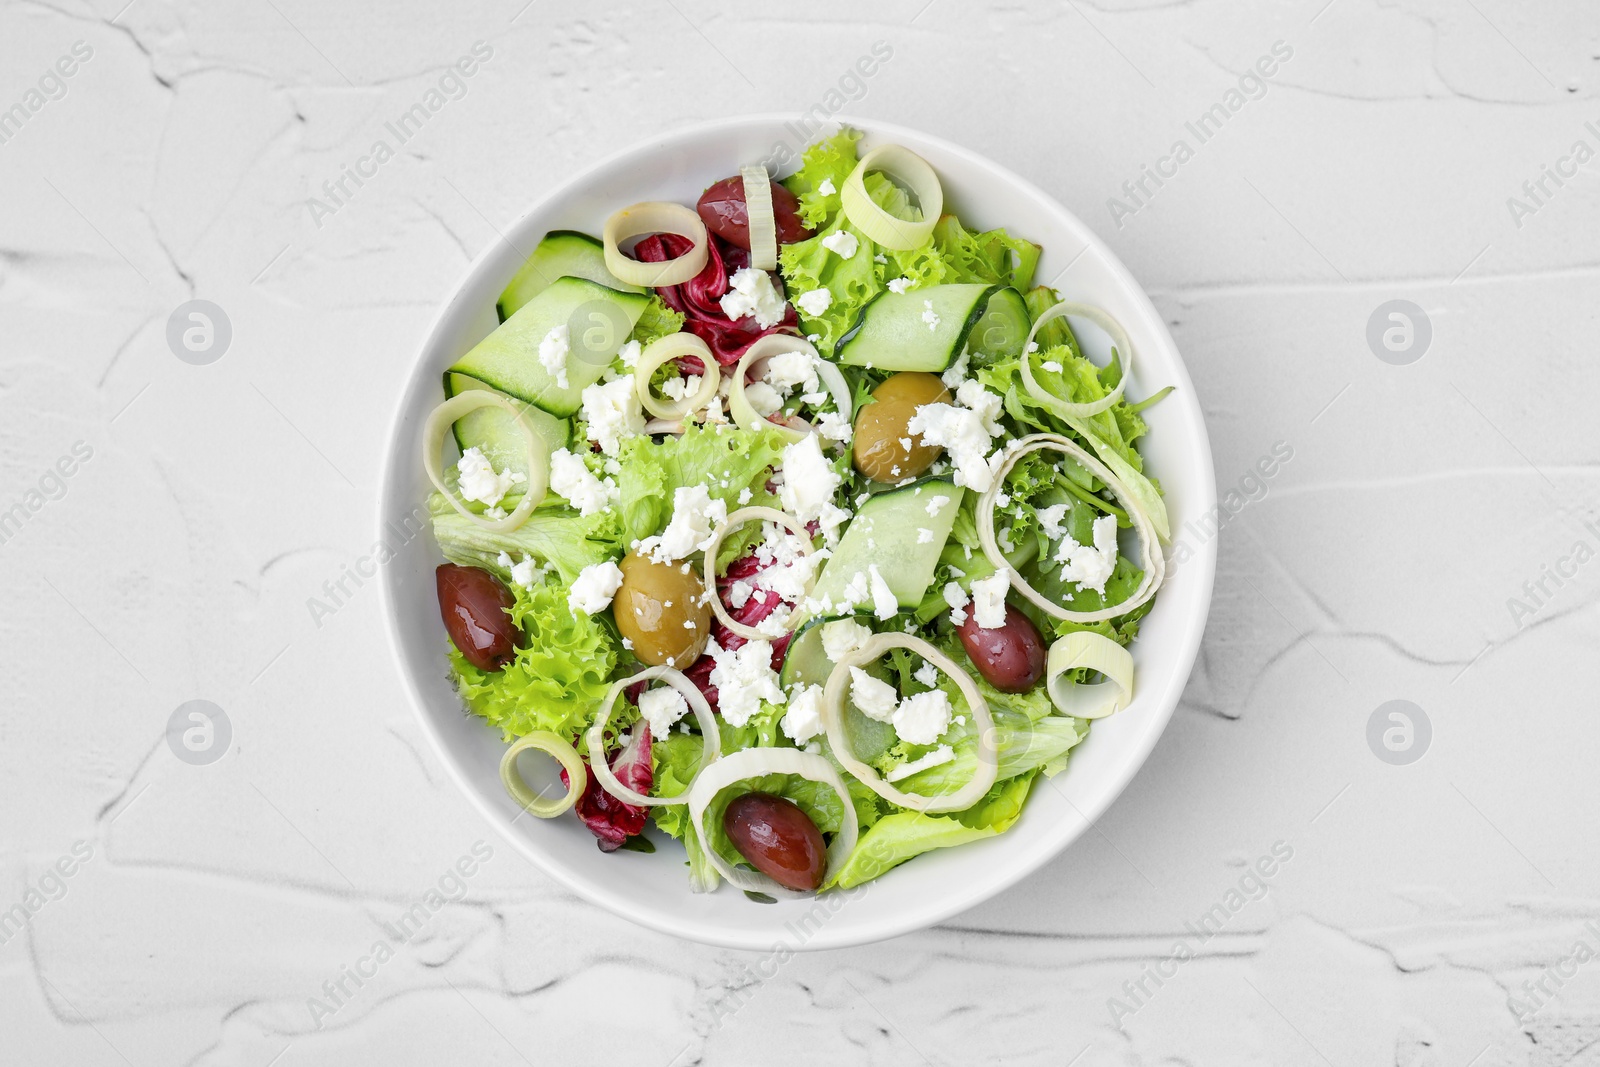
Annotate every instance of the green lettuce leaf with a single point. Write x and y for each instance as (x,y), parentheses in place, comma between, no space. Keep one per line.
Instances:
(724,458)
(554,534)
(898,837)
(558,677)
(658,321)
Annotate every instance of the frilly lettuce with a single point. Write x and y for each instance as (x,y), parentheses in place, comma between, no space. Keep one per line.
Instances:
(559,676)
(723,458)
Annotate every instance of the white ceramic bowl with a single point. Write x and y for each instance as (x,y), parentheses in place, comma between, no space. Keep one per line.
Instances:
(653,889)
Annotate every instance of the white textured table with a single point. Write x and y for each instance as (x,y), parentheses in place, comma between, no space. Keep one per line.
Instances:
(1398,553)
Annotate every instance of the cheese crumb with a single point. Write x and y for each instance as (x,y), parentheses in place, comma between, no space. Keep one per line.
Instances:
(842,637)
(802,720)
(553,352)
(1086,566)
(989,599)
(661,708)
(920,719)
(611,412)
(596,585)
(571,478)
(873,697)
(751,293)
(899,285)
(481,482)
(884,602)
(937,504)
(815,302)
(938,757)
(930,316)
(842,243)
(744,678)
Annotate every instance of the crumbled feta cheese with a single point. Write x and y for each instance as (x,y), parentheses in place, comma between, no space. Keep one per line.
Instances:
(1052,366)
(939,756)
(788,371)
(937,504)
(694,517)
(873,697)
(930,316)
(884,602)
(596,585)
(826,188)
(989,406)
(1002,500)
(957,372)
(526,574)
(989,599)
(924,536)
(750,292)
(680,387)
(842,243)
(905,443)
(961,432)
(629,354)
(744,678)
(835,427)
(1086,566)
(739,594)
(1050,521)
(842,637)
(927,674)
(920,719)
(1032,347)
(899,285)
(763,397)
(553,352)
(809,482)
(957,598)
(661,708)
(744,496)
(611,411)
(570,477)
(814,302)
(481,482)
(802,720)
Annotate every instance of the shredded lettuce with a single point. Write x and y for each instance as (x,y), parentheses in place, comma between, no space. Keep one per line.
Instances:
(559,676)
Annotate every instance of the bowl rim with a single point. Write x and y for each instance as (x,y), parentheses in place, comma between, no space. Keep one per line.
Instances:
(1201,566)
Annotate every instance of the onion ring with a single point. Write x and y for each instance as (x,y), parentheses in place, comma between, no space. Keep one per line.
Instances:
(1153,563)
(655,216)
(737,519)
(753,763)
(1119,340)
(833,697)
(551,744)
(881,227)
(711,739)
(438,424)
(744,413)
(673,346)
(1086,648)
(763,223)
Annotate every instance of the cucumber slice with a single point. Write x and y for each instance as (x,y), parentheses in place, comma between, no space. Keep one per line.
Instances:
(561,254)
(493,432)
(891,333)
(599,320)
(1003,328)
(886,532)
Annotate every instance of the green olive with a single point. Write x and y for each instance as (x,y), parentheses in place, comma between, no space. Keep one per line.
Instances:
(658,609)
(880,432)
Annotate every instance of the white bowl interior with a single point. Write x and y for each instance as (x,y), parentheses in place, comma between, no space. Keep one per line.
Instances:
(653,889)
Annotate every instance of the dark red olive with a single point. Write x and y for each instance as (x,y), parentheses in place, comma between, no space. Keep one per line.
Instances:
(777,838)
(723,210)
(1010,657)
(475,606)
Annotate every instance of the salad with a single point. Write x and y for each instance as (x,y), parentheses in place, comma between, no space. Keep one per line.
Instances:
(796,523)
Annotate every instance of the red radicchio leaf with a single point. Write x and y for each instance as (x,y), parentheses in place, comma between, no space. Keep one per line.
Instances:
(609,819)
(698,298)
